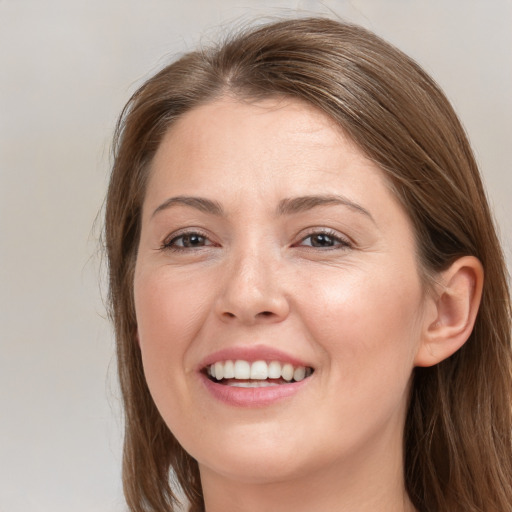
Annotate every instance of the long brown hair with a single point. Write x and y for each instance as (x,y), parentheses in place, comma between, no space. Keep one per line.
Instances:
(458,432)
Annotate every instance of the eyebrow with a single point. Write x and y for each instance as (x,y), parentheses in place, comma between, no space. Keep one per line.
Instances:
(305,203)
(288,206)
(200,203)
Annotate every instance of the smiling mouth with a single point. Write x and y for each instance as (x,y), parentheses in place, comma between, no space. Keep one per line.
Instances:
(257,374)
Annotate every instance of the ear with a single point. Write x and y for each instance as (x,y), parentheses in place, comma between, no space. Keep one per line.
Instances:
(456,300)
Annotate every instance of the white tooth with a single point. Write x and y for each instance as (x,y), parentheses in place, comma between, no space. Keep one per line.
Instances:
(219,370)
(212,370)
(299,373)
(274,370)
(251,384)
(287,372)
(242,370)
(229,370)
(259,370)
(235,384)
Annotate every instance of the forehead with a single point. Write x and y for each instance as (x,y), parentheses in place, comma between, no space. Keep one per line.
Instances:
(253,155)
(246,142)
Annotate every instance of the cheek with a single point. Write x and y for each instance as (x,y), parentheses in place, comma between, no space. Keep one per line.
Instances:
(170,312)
(167,307)
(369,326)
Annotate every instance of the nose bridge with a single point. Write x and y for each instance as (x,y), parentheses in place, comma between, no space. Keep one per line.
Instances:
(252,288)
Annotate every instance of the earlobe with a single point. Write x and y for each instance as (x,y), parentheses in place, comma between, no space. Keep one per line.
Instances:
(456,302)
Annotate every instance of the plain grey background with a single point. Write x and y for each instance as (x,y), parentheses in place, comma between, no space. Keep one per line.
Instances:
(66,69)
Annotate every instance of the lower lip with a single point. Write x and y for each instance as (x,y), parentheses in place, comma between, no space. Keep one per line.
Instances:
(252,397)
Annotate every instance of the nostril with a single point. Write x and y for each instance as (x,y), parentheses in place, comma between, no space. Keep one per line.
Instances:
(246,316)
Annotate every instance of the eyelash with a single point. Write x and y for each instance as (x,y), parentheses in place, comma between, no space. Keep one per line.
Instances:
(337,241)
(171,244)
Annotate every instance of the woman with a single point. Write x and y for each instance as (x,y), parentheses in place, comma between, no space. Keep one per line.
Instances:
(297,239)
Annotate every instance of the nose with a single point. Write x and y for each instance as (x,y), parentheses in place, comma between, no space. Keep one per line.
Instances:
(251,291)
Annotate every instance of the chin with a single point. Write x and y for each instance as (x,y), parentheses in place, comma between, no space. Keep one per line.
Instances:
(257,468)
(260,457)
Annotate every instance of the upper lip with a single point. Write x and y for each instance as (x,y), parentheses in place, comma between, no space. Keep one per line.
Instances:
(251,354)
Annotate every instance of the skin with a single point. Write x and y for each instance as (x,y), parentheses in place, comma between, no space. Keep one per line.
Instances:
(356,311)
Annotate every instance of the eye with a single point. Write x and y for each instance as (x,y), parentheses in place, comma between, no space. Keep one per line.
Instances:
(324,240)
(190,240)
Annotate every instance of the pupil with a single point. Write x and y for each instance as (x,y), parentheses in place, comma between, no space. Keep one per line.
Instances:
(321,241)
(193,240)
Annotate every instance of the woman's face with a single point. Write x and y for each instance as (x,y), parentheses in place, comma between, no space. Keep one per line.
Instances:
(268,238)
